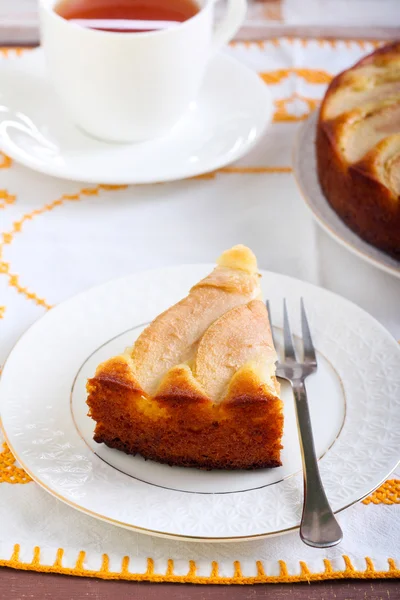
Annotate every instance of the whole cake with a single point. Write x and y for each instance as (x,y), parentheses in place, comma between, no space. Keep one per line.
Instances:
(358,147)
(198,387)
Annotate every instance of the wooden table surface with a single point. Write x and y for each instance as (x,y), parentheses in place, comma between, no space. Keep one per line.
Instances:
(22,585)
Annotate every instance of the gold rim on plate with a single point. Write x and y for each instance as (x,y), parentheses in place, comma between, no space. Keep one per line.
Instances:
(161,534)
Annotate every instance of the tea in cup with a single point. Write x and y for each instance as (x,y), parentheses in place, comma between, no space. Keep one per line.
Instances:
(128,71)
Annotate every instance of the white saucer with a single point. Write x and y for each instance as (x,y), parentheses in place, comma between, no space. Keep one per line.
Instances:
(354,404)
(230,115)
(305,171)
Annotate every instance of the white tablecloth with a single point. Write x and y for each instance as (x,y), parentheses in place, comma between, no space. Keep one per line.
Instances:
(112,233)
(53,247)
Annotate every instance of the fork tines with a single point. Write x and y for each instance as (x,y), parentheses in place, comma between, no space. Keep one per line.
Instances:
(309,355)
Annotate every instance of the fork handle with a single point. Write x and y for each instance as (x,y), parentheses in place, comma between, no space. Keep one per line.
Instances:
(319,527)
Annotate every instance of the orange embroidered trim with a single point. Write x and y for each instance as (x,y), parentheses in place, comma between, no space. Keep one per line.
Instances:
(9,472)
(5,161)
(210,175)
(322,42)
(255,170)
(309,75)
(14,282)
(282,113)
(388,493)
(8,237)
(6,198)
(243,171)
(191,577)
(6,50)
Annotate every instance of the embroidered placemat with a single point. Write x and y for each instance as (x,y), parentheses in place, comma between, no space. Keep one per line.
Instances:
(60,237)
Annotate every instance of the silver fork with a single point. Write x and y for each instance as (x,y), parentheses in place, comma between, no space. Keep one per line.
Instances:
(318,526)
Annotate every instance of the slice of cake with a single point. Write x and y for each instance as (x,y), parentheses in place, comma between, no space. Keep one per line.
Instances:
(198,387)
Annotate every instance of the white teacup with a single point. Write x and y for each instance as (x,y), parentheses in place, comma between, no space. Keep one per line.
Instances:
(125,87)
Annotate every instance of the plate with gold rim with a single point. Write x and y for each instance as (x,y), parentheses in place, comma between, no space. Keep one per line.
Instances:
(305,172)
(354,402)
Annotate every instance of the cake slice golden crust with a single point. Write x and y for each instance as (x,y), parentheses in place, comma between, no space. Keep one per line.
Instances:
(198,386)
(172,337)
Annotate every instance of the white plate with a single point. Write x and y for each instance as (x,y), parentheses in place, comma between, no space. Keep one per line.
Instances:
(355,408)
(233,108)
(305,171)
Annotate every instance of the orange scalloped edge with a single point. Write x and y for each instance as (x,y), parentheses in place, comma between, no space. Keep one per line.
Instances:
(191,577)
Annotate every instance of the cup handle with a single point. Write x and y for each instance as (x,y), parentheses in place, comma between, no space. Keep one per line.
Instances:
(234,17)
